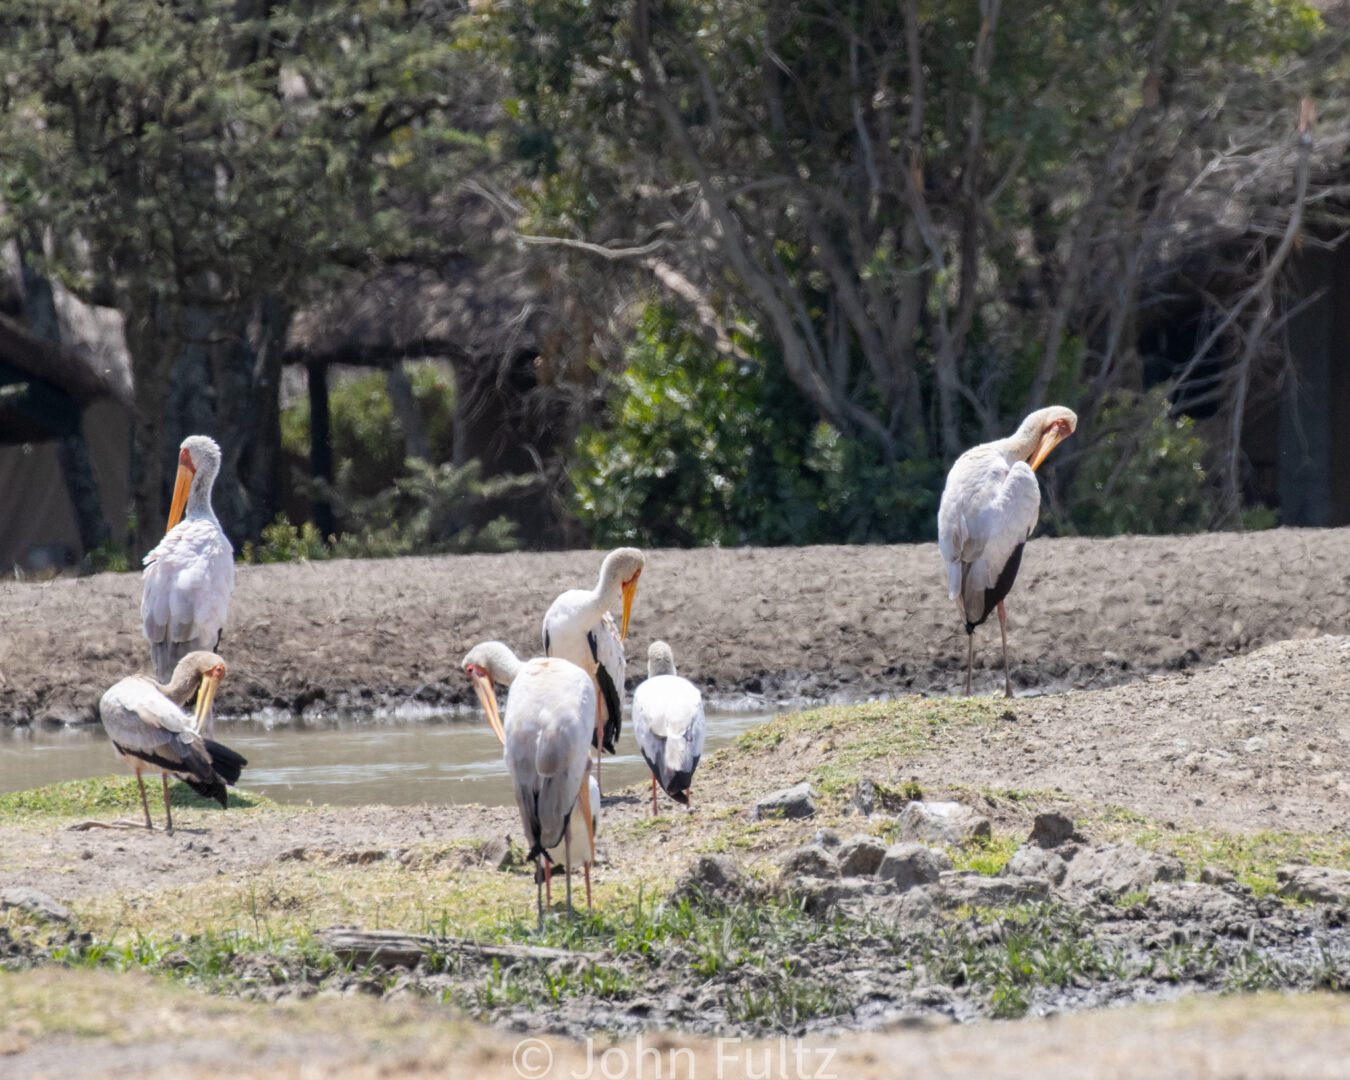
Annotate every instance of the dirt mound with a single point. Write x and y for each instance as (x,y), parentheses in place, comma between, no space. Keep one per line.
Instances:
(824,622)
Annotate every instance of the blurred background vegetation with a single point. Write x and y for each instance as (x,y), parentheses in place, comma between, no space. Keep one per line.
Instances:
(447,277)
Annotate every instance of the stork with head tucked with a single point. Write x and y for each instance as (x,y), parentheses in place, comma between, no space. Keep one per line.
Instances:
(580,628)
(149,730)
(189,576)
(550,715)
(580,838)
(669,725)
(988,509)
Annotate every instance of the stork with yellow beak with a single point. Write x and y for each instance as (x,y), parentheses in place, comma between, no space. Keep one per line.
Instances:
(548,725)
(149,730)
(189,576)
(988,509)
(580,628)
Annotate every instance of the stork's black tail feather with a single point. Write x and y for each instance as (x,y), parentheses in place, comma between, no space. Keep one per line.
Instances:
(613,709)
(210,789)
(227,763)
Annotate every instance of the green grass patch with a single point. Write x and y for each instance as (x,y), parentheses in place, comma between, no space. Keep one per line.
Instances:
(865,735)
(1252,857)
(987,856)
(111,795)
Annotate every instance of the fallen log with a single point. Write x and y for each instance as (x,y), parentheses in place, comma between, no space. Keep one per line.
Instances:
(395,949)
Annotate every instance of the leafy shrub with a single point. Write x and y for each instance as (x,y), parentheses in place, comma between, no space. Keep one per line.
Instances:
(365,432)
(1142,472)
(701,448)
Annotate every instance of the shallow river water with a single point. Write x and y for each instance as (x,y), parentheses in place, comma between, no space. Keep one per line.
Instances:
(441,759)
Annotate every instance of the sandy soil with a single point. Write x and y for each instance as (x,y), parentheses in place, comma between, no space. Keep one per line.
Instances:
(846,623)
(151,1032)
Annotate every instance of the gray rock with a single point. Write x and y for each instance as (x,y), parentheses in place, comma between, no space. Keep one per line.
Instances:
(820,896)
(810,861)
(1217,875)
(864,799)
(978,891)
(1030,860)
(860,856)
(1051,829)
(907,865)
(499,854)
(942,822)
(34,902)
(713,878)
(1119,869)
(793,802)
(827,838)
(1316,884)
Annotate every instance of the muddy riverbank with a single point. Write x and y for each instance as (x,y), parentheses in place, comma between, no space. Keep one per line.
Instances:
(750,625)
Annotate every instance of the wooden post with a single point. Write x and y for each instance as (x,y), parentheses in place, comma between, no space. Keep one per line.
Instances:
(321,448)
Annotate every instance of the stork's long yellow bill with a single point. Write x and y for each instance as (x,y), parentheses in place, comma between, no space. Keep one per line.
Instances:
(206,694)
(181,485)
(487,697)
(629,593)
(1051,438)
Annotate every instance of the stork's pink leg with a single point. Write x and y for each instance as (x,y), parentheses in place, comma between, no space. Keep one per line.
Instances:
(588,886)
(145,803)
(548,883)
(1003,632)
(653,796)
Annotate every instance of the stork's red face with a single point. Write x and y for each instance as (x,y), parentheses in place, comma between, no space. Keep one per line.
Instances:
(1052,435)
(182,483)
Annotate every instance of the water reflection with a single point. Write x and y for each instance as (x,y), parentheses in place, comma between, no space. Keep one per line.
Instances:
(349,762)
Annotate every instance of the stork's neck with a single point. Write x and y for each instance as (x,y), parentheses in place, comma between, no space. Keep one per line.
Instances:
(607,594)
(504,665)
(1021,444)
(199,496)
(180,688)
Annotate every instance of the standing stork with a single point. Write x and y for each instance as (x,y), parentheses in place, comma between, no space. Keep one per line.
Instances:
(149,730)
(579,627)
(988,509)
(190,574)
(669,725)
(550,715)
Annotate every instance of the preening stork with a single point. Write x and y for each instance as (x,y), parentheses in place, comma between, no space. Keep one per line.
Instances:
(550,716)
(988,509)
(190,574)
(669,725)
(578,627)
(149,730)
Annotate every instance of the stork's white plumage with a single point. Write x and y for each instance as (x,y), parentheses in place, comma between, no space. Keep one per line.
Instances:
(550,716)
(149,730)
(189,576)
(988,509)
(669,725)
(579,627)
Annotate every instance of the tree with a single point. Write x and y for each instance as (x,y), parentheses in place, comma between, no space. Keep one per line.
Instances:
(939,216)
(205,166)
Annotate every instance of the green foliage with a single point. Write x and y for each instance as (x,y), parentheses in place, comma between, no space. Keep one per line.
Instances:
(435,509)
(283,542)
(1143,472)
(365,433)
(702,448)
(104,794)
